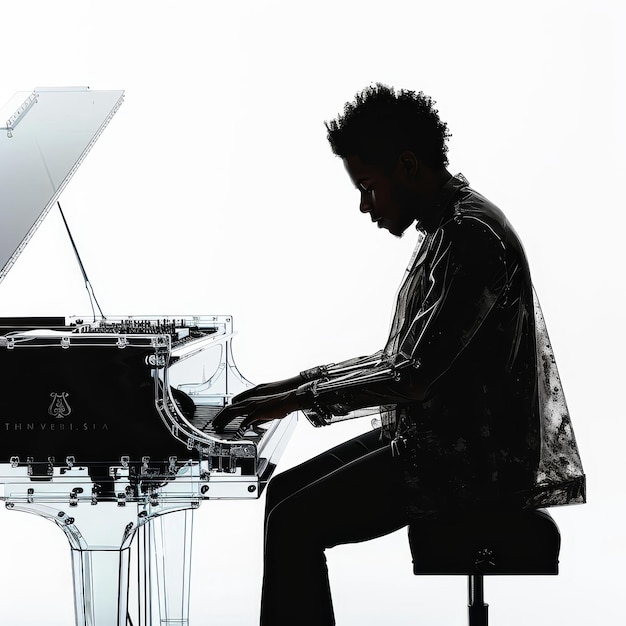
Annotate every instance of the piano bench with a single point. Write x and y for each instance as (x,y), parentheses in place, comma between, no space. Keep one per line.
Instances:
(485,543)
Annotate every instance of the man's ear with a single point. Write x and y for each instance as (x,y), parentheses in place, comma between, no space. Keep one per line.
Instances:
(409,164)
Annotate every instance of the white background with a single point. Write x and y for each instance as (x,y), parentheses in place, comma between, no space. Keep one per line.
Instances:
(213,190)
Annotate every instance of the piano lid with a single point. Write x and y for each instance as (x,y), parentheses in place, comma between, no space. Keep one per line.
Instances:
(44,137)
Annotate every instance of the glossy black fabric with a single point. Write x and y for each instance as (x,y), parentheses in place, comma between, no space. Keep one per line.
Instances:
(458,380)
(470,436)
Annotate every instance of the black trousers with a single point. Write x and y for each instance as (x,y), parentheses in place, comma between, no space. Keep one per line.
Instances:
(351,493)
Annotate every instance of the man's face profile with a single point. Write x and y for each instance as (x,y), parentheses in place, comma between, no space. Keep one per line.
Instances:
(385,197)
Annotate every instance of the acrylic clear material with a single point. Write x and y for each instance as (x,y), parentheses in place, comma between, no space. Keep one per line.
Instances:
(110,488)
(44,136)
(115,443)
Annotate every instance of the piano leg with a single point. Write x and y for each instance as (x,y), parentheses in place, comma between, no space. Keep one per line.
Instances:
(165,568)
(145,575)
(100,586)
(100,533)
(100,538)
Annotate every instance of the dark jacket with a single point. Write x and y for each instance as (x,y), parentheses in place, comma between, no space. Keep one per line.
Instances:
(461,382)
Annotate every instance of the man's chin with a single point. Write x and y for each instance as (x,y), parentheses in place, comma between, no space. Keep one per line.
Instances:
(395,231)
(398,230)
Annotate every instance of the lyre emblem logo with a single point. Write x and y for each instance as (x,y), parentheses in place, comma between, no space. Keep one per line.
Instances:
(59,407)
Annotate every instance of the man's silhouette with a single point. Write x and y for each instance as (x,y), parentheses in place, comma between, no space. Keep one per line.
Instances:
(470,401)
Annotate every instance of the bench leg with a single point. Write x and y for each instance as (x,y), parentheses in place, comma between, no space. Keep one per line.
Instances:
(477,609)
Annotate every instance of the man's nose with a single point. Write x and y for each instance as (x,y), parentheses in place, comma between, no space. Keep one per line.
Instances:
(365,205)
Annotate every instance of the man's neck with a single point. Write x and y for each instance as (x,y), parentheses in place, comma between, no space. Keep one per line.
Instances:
(438,179)
(431,204)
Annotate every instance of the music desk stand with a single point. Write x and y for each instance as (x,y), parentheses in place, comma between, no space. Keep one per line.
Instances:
(482,544)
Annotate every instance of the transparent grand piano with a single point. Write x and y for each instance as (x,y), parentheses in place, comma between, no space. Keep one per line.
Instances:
(114,443)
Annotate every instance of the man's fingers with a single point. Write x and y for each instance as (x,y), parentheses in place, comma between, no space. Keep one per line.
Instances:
(256,409)
(245,424)
(250,421)
(225,417)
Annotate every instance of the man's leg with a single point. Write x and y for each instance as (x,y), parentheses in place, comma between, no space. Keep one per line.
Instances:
(351,493)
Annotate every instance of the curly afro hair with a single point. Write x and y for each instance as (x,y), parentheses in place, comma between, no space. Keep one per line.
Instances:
(381,123)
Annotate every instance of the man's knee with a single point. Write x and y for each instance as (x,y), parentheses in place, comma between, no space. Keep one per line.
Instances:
(279,488)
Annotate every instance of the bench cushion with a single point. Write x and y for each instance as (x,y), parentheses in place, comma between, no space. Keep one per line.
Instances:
(486,542)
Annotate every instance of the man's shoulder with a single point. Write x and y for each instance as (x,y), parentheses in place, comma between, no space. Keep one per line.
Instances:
(476,230)
(473,215)
(472,205)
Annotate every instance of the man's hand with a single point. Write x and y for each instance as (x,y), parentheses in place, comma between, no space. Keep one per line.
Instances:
(256,409)
(270,389)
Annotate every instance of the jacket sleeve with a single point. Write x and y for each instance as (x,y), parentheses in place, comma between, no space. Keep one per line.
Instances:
(447,294)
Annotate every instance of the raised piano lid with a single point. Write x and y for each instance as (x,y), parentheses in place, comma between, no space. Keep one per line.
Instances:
(44,137)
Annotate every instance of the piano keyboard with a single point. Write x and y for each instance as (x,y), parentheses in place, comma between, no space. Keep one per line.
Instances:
(203,417)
